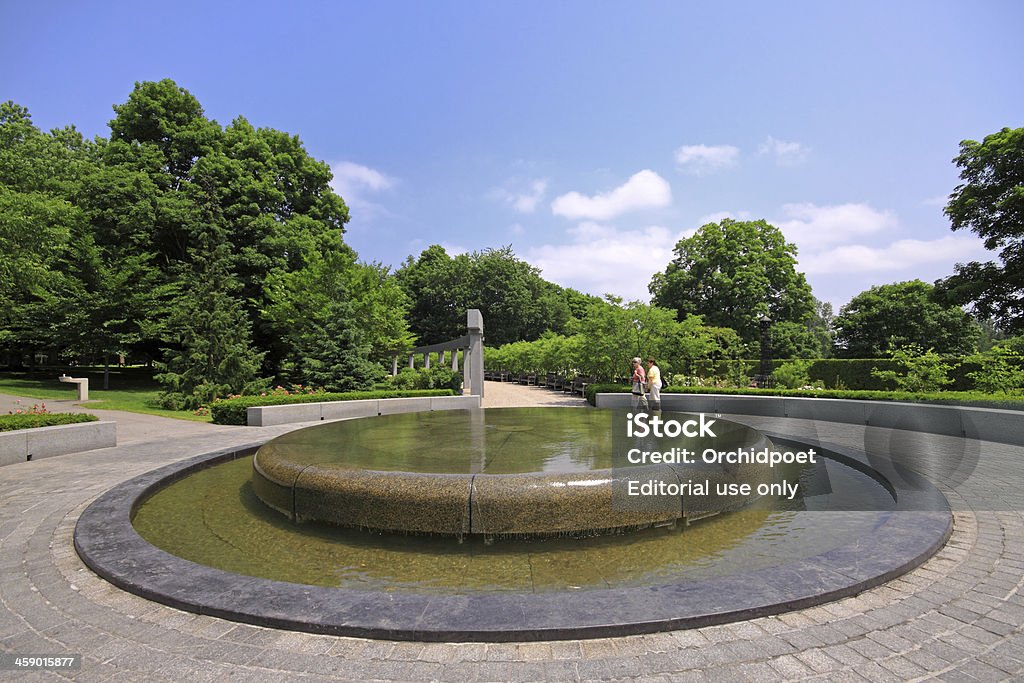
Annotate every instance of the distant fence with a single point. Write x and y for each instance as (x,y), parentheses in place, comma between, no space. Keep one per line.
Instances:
(472,347)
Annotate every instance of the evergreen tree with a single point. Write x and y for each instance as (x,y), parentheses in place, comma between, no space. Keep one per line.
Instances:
(335,357)
(212,354)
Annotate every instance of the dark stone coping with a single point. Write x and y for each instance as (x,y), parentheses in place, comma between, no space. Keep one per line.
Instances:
(107,542)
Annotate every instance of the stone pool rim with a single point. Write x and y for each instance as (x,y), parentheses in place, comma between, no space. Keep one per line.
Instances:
(108,543)
(337,486)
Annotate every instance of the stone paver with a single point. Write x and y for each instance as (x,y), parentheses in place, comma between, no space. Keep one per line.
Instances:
(957,617)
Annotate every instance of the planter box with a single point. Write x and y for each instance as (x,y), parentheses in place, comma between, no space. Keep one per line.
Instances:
(46,442)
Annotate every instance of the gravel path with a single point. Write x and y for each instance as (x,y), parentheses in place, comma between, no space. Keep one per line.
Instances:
(505,395)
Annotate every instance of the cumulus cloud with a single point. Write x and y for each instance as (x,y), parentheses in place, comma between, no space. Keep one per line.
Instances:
(719,216)
(524,199)
(354,182)
(899,256)
(940,200)
(785,153)
(812,226)
(602,259)
(644,190)
(454,249)
(701,159)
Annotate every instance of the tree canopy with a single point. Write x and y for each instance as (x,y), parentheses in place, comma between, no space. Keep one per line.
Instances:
(730,273)
(517,303)
(900,315)
(179,241)
(990,202)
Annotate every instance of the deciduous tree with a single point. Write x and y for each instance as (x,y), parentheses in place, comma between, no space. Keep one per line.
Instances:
(902,314)
(730,273)
(990,202)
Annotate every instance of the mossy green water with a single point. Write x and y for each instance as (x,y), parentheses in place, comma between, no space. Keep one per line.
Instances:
(212,517)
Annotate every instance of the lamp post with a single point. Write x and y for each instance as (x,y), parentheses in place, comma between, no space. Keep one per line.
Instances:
(763,379)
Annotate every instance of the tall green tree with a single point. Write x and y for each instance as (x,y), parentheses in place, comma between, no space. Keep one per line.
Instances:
(212,354)
(437,285)
(379,308)
(732,272)
(900,315)
(990,202)
(169,167)
(38,225)
(516,302)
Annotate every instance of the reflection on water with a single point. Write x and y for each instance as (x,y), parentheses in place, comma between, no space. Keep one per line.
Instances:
(212,517)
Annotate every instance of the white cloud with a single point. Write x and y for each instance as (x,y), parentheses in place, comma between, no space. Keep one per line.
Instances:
(940,200)
(785,153)
(719,216)
(524,200)
(454,249)
(900,256)
(602,259)
(700,159)
(812,226)
(644,190)
(354,182)
(351,175)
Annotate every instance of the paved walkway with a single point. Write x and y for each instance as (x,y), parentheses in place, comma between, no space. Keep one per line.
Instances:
(957,617)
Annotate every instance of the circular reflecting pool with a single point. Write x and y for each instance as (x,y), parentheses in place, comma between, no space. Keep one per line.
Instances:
(197,535)
(213,517)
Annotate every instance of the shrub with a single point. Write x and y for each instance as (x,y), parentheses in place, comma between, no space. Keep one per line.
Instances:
(433,378)
(794,374)
(922,371)
(10,423)
(592,390)
(232,411)
(955,398)
(999,370)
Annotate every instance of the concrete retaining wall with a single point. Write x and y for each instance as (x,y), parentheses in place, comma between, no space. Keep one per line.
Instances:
(986,424)
(45,442)
(264,416)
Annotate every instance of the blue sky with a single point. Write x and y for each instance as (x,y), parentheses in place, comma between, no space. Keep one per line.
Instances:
(590,136)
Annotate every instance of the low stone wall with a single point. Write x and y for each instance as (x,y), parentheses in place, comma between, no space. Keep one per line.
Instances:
(985,424)
(265,416)
(45,442)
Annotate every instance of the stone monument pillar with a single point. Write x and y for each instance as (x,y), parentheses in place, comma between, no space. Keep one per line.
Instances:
(473,363)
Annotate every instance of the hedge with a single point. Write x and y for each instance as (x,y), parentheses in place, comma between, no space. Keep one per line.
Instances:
(849,373)
(232,411)
(10,423)
(971,399)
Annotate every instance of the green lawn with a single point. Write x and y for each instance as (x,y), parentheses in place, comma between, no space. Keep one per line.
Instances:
(131,390)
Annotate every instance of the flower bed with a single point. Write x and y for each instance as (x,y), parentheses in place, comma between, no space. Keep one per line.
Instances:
(13,422)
